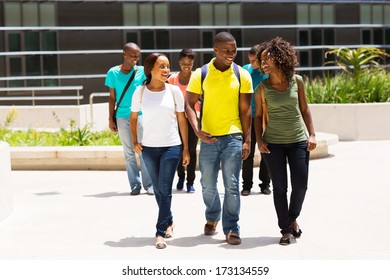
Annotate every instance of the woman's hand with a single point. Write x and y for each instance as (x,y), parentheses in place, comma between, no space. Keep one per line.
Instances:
(137,147)
(263,147)
(185,158)
(311,143)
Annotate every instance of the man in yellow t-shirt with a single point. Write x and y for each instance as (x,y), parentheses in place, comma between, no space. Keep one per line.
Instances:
(224,131)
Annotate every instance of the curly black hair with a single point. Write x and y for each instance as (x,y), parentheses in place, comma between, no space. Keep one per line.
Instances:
(283,53)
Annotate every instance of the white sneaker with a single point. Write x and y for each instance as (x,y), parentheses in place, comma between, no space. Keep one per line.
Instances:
(150,191)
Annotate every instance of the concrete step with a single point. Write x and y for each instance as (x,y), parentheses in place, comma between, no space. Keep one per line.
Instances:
(106,157)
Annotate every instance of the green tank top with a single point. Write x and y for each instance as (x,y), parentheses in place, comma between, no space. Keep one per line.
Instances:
(285,123)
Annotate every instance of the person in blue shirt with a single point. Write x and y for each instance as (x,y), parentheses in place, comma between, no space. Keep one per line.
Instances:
(116,80)
(253,68)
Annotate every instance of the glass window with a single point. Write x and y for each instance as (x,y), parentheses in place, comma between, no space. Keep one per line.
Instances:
(49,41)
(16,70)
(50,67)
(12,14)
(377,15)
(132,37)
(387,14)
(161,14)
(146,14)
(303,14)
(130,14)
(304,58)
(147,39)
(162,39)
(387,36)
(206,14)
(303,38)
(316,57)
(14,44)
(234,14)
(366,37)
(47,14)
(316,37)
(315,14)
(31,41)
(30,14)
(329,36)
(365,14)
(207,39)
(327,14)
(378,36)
(220,11)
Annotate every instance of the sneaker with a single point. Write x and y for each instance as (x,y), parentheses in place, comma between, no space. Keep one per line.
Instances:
(180,184)
(150,191)
(190,189)
(265,189)
(245,192)
(135,191)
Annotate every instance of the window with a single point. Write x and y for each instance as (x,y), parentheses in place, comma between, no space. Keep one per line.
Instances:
(375,14)
(31,14)
(220,14)
(147,14)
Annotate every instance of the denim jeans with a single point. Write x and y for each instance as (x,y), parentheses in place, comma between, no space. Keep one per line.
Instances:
(297,157)
(130,156)
(247,166)
(192,145)
(227,154)
(161,163)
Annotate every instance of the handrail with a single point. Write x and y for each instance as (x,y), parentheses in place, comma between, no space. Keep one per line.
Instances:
(91,97)
(48,88)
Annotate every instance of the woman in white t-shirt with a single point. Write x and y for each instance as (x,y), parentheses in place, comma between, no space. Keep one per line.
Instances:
(162,108)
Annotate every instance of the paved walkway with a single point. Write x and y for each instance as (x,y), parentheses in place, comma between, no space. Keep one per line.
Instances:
(89,215)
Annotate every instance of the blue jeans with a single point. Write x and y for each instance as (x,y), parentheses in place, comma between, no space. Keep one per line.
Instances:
(130,156)
(162,163)
(227,154)
(297,157)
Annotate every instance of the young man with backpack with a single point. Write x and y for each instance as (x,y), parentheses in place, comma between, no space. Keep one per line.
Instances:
(224,130)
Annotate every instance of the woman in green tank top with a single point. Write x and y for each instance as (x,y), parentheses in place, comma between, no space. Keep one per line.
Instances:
(285,139)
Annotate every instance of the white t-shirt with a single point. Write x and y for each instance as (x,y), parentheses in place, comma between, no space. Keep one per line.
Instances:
(160,128)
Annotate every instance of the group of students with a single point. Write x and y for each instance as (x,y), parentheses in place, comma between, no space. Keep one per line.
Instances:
(162,123)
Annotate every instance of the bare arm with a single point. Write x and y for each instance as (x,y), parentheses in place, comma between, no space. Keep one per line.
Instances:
(261,144)
(306,115)
(111,107)
(182,121)
(246,122)
(137,147)
(191,99)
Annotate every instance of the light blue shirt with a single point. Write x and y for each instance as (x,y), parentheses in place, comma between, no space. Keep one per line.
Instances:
(117,79)
(257,78)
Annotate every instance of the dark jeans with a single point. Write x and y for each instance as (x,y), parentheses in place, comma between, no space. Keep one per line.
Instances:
(247,166)
(297,157)
(161,163)
(192,144)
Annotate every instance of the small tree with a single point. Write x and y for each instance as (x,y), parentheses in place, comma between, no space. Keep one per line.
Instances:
(354,60)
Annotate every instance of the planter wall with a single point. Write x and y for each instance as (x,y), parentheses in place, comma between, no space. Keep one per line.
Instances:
(353,122)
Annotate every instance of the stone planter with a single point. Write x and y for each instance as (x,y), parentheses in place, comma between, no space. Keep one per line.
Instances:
(352,122)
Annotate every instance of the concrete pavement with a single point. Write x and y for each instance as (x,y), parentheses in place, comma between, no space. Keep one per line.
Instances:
(89,215)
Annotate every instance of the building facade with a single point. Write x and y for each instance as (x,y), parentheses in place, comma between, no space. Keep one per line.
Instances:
(63,43)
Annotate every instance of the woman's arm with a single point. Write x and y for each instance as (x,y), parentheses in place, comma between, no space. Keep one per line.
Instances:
(182,121)
(137,147)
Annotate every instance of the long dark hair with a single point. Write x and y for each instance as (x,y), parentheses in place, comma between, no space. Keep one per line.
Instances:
(149,62)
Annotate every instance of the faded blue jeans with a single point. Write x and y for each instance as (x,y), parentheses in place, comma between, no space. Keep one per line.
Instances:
(162,163)
(227,154)
(130,156)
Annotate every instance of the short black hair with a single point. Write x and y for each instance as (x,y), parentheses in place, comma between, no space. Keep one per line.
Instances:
(131,46)
(223,37)
(187,53)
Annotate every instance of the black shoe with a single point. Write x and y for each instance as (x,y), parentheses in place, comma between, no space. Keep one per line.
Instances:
(180,184)
(284,241)
(296,233)
(135,192)
(265,189)
(245,192)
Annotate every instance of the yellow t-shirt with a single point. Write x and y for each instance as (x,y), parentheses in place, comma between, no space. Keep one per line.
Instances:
(220,114)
